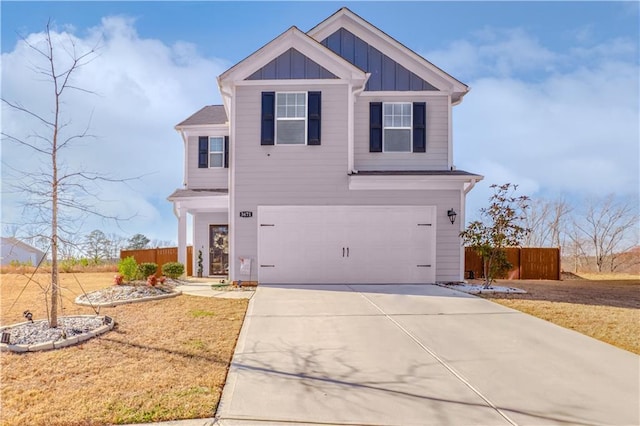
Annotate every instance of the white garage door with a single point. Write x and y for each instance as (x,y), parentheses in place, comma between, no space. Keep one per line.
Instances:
(346,244)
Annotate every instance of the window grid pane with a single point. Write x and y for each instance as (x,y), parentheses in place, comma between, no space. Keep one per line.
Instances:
(291,105)
(397,115)
(215,160)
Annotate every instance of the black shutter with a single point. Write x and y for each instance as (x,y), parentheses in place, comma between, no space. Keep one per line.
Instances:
(268,118)
(203,152)
(314,115)
(419,127)
(375,127)
(226,152)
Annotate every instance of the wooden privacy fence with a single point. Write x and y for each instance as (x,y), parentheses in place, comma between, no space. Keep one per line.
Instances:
(160,256)
(529,263)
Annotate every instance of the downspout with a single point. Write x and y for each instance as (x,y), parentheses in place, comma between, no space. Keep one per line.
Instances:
(353,93)
(186,156)
(227,99)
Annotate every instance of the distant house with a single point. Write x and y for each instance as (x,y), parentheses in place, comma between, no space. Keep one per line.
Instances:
(16,250)
(331,161)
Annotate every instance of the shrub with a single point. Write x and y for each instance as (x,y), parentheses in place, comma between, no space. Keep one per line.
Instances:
(146,269)
(128,268)
(67,265)
(173,269)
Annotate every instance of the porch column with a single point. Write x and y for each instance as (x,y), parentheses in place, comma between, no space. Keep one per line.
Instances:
(182,237)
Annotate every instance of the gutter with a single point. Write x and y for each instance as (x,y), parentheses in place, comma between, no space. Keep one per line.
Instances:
(470,187)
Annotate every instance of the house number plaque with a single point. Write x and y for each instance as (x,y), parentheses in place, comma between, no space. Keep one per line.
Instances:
(246,214)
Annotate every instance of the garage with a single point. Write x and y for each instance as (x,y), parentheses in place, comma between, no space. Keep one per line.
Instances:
(346,244)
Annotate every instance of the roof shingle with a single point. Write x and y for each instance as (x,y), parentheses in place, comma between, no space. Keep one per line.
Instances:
(210,114)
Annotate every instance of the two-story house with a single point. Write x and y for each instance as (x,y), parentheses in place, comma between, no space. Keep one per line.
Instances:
(329,162)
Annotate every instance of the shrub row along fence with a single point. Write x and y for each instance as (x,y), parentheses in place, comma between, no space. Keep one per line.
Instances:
(160,256)
(529,263)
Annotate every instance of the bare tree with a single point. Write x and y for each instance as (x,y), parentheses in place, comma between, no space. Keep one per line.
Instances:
(610,229)
(547,221)
(138,242)
(96,246)
(54,192)
(161,243)
(115,243)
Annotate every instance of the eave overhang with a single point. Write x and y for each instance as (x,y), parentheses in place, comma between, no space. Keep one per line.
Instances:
(413,180)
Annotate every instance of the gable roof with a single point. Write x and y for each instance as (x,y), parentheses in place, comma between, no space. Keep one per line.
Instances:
(345,18)
(292,38)
(210,114)
(14,242)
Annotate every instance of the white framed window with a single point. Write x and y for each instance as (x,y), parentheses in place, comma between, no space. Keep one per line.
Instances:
(397,123)
(291,118)
(216,151)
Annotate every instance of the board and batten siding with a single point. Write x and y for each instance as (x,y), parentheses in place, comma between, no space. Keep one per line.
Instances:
(437,128)
(201,222)
(315,175)
(205,178)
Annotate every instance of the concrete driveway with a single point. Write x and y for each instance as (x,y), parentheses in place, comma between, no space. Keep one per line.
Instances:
(418,355)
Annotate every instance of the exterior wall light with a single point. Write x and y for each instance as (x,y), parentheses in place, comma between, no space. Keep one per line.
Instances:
(452,215)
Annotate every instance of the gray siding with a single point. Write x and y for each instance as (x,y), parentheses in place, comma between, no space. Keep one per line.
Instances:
(201,222)
(291,65)
(436,155)
(386,74)
(213,178)
(316,175)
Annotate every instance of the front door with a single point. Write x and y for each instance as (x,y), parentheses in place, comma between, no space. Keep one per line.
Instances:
(218,249)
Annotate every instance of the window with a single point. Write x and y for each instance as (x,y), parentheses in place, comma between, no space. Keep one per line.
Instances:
(216,151)
(398,127)
(291,118)
(213,151)
(397,121)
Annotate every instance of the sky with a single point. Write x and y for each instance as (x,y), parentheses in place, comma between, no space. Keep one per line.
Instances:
(554,102)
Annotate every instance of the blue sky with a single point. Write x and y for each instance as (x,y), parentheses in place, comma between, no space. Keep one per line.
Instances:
(553,103)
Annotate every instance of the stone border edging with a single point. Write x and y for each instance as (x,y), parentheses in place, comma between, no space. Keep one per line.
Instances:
(127,301)
(110,323)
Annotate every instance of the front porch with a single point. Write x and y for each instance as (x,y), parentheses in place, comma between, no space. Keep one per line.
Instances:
(209,209)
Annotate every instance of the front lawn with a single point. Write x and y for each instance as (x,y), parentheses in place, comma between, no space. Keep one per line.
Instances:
(164,360)
(607,310)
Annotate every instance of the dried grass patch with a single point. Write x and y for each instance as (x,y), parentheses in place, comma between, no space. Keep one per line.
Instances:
(605,310)
(164,360)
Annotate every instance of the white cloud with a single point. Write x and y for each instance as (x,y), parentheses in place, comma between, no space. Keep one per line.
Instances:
(496,52)
(575,130)
(143,87)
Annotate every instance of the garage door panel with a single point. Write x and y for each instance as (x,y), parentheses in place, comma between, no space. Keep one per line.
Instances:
(346,244)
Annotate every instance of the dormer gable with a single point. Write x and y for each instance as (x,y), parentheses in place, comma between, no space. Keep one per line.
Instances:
(393,63)
(294,45)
